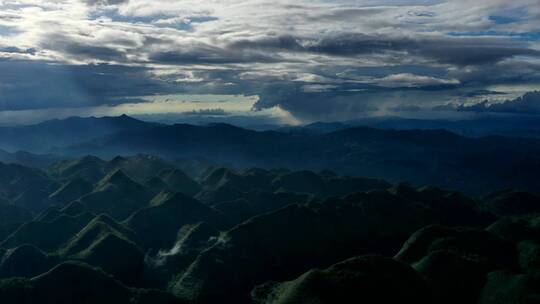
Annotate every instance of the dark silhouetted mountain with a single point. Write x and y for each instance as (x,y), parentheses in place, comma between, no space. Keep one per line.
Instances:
(450,206)
(218,195)
(108,245)
(339,185)
(74,208)
(368,279)
(316,128)
(509,202)
(220,143)
(296,238)
(75,282)
(158,225)
(455,262)
(250,204)
(33,199)
(222,185)
(454,278)
(422,157)
(102,243)
(156,184)
(47,135)
(11,217)
(71,190)
(310,182)
(516,229)
(140,167)
(49,214)
(507,287)
(25,187)
(214,178)
(25,261)
(529,256)
(28,159)
(190,242)
(507,125)
(225,185)
(47,236)
(229,235)
(117,196)
(119,179)
(194,238)
(178,181)
(89,167)
(301,181)
(96,229)
(468,242)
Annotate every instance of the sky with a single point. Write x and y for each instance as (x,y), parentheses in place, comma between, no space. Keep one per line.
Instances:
(268,61)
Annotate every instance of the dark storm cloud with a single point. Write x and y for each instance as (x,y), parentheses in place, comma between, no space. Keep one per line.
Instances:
(489,61)
(509,72)
(80,50)
(477,93)
(94,52)
(40,85)
(16,50)
(451,50)
(104,2)
(472,53)
(316,105)
(526,104)
(324,59)
(206,54)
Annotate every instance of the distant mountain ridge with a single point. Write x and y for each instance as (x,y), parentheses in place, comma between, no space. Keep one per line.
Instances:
(28,159)
(429,156)
(42,137)
(505,125)
(432,157)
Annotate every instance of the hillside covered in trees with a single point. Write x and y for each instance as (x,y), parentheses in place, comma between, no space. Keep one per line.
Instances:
(140,230)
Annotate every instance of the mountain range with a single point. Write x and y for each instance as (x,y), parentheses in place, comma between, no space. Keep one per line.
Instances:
(485,125)
(420,156)
(147,232)
(325,213)
(45,136)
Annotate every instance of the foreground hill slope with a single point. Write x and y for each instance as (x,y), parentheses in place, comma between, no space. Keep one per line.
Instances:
(368,279)
(74,282)
(259,235)
(296,238)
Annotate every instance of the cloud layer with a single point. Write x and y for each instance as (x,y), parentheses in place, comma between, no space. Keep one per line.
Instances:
(529,103)
(319,60)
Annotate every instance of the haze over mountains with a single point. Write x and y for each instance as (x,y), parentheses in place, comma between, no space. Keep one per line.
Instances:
(504,125)
(47,135)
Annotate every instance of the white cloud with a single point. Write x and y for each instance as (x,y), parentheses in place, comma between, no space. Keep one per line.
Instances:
(247,46)
(412,80)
